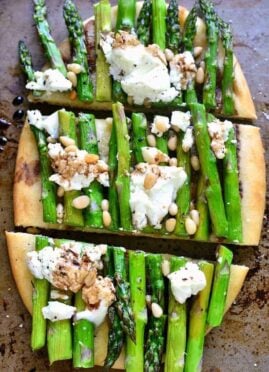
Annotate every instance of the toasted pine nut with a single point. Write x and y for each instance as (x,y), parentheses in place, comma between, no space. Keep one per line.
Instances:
(66,141)
(71,76)
(91,158)
(73,95)
(197,51)
(156,309)
(60,192)
(166,267)
(172,143)
(51,139)
(169,55)
(173,209)
(81,202)
(170,224)
(173,162)
(195,163)
(151,140)
(200,75)
(75,67)
(105,205)
(106,218)
(60,212)
(150,180)
(190,226)
(71,148)
(195,216)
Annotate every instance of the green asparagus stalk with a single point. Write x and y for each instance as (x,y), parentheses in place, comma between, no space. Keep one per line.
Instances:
(155,338)
(158,23)
(118,94)
(77,40)
(48,194)
(220,286)
(39,300)
(197,322)
(123,177)
(102,12)
(228,68)
(232,198)
(126,15)
(139,124)
(209,90)
(183,199)
(93,214)
(112,191)
(83,348)
(202,231)
(137,275)
(173,33)
(67,127)
(143,24)
(209,169)
(26,61)
(162,144)
(177,324)
(108,262)
(51,49)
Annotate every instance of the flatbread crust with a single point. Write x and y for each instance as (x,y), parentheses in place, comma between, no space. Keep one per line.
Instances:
(27,186)
(244,105)
(20,243)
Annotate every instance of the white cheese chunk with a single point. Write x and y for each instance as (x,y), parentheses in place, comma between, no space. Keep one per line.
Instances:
(96,316)
(187,281)
(160,125)
(43,263)
(180,120)
(58,311)
(151,205)
(219,132)
(48,123)
(103,133)
(51,80)
(188,140)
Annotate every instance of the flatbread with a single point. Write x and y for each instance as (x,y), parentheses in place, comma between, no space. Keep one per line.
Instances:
(27,186)
(244,105)
(20,243)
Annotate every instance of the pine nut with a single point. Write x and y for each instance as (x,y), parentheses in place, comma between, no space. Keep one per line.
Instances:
(190,226)
(173,209)
(173,162)
(73,95)
(81,202)
(150,180)
(156,309)
(195,216)
(169,55)
(67,141)
(200,75)
(170,224)
(71,148)
(172,143)
(192,206)
(106,218)
(105,205)
(197,51)
(60,192)
(166,267)
(91,158)
(51,139)
(151,140)
(60,212)
(71,76)
(195,163)
(75,67)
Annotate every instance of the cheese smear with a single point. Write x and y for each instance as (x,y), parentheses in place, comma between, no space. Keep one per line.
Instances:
(187,281)
(150,206)
(58,311)
(48,123)
(51,80)
(96,316)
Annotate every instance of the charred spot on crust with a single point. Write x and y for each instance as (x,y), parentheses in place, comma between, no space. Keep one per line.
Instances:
(27,172)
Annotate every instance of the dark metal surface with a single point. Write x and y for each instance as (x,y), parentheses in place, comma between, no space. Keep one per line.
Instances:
(242,343)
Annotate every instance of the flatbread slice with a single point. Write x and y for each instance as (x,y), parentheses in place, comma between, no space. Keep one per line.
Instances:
(244,106)
(27,185)
(20,243)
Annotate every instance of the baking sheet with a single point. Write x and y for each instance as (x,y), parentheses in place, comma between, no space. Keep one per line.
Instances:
(242,343)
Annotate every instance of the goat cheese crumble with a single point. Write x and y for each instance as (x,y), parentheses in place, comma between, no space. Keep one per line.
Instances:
(56,310)
(180,120)
(51,80)
(219,133)
(96,316)
(48,123)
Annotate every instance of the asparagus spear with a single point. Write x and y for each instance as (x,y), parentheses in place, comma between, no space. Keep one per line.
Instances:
(123,177)
(39,300)
(102,12)
(231,189)
(155,339)
(112,191)
(176,333)
(93,214)
(77,40)
(220,286)
(83,349)
(158,22)
(143,24)
(51,49)
(48,194)
(197,322)
(139,123)
(184,193)
(67,127)
(228,69)
(202,231)
(26,61)
(137,275)
(126,15)
(209,90)
(209,169)
(173,33)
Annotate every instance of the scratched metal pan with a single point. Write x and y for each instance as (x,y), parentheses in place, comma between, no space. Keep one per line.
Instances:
(242,343)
